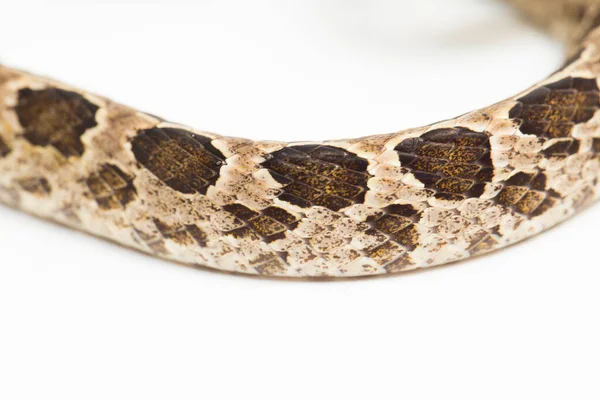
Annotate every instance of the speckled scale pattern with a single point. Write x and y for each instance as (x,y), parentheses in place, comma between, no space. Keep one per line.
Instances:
(186,162)
(374,205)
(316,175)
(553,110)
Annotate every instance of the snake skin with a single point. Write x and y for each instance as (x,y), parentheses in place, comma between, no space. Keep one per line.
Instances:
(380,204)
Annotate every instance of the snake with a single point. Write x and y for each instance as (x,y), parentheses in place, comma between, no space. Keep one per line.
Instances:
(374,205)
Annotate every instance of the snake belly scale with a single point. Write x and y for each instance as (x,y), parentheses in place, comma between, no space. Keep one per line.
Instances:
(374,205)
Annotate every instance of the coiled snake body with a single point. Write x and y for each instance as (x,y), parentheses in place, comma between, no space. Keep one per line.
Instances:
(380,204)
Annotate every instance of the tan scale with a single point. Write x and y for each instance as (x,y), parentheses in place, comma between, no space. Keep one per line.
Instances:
(374,205)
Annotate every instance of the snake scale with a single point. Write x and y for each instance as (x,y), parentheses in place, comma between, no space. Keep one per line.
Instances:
(379,204)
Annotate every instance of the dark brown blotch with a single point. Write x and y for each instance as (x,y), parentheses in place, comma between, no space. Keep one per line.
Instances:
(461,170)
(111,187)
(548,204)
(404,210)
(486,174)
(539,182)
(458,136)
(4,149)
(386,253)
(37,186)
(183,235)
(240,211)
(435,150)
(536,97)
(510,195)
(454,185)
(561,98)
(197,234)
(560,130)
(303,191)
(426,178)
(530,202)
(274,266)
(535,112)
(279,214)
(410,146)
(408,237)
(391,223)
(477,190)
(520,179)
(294,200)
(184,161)
(245,233)
(596,145)
(266,226)
(400,264)
(55,117)
(449,160)
(553,110)
(452,197)
(535,127)
(319,175)
(427,164)
(332,202)
(563,147)
(351,177)
(489,243)
(466,154)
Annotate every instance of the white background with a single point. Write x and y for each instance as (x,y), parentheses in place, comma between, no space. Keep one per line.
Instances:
(81,318)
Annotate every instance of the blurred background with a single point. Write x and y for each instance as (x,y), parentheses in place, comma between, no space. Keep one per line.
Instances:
(284,69)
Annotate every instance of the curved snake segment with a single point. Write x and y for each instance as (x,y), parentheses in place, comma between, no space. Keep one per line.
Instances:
(374,205)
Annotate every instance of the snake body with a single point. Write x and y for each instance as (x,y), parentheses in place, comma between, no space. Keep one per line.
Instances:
(374,205)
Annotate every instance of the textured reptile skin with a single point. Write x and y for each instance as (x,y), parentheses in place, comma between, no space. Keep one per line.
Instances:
(373,205)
